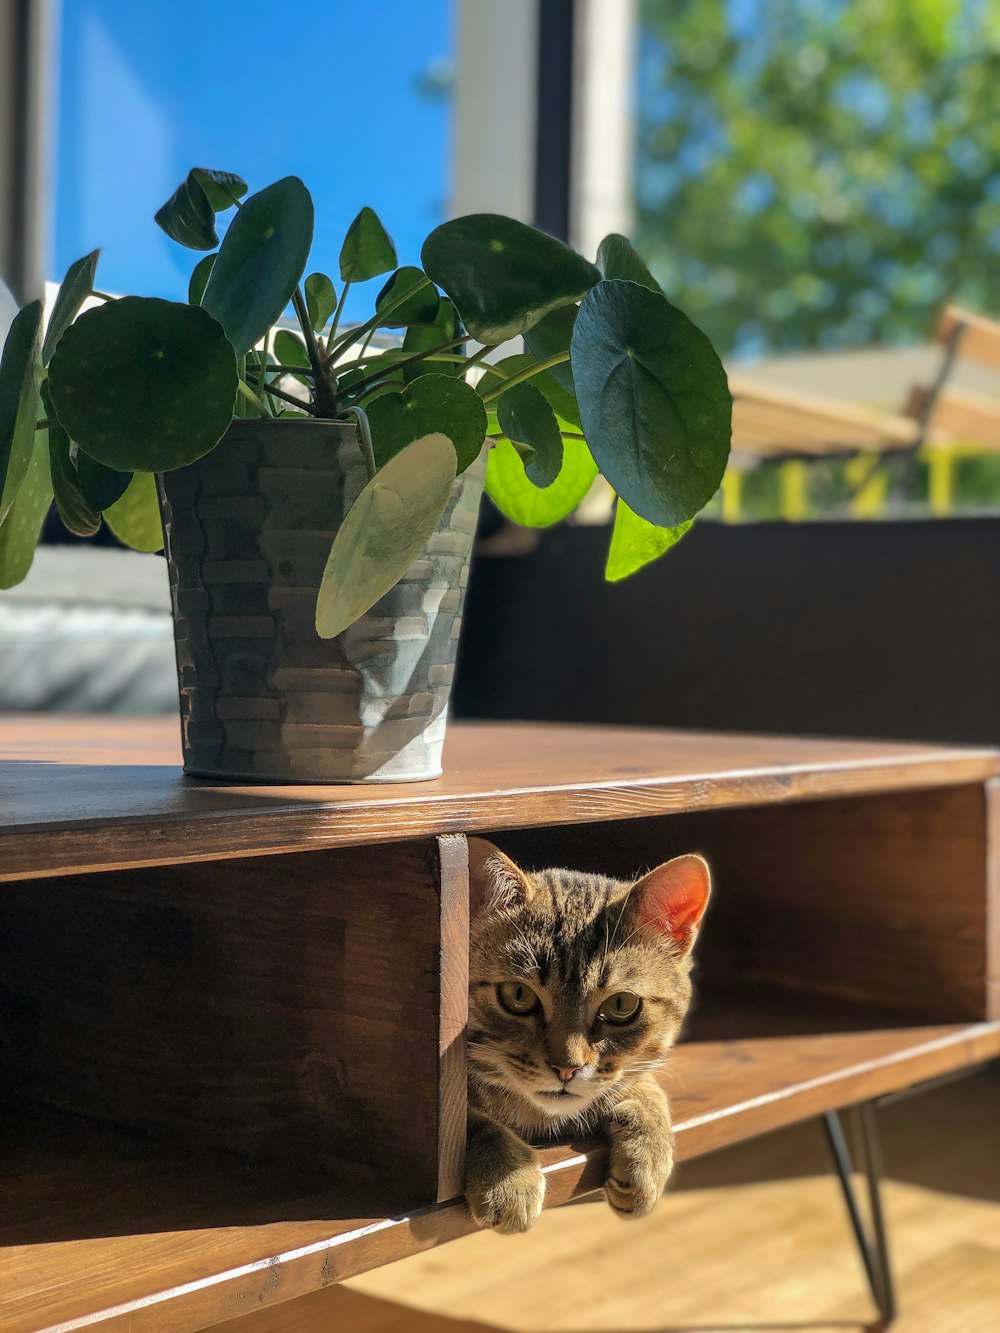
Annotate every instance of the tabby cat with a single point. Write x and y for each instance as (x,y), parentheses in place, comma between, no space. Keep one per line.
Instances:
(578,988)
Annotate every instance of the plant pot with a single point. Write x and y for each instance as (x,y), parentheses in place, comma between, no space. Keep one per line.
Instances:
(263,698)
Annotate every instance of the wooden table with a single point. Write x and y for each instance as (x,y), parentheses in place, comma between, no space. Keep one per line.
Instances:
(232,1019)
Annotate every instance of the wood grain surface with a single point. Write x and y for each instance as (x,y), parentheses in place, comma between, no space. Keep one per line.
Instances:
(307,1008)
(980,338)
(100,1229)
(993,889)
(85,795)
(453,1013)
(961,414)
(753,1239)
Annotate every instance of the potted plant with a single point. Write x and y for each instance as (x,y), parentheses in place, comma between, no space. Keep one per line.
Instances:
(318,495)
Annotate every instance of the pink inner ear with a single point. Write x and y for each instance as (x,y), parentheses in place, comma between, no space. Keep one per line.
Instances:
(673,897)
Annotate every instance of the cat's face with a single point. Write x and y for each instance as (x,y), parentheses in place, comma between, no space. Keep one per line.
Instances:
(576,981)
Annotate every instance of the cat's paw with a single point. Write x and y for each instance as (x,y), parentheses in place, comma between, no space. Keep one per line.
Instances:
(637,1176)
(511,1203)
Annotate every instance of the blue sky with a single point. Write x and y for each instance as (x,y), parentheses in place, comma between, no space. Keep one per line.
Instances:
(329,92)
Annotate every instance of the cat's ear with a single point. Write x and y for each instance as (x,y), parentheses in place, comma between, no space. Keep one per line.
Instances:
(672,899)
(493,877)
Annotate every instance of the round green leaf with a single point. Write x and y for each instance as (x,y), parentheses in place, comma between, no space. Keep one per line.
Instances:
(199,279)
(101,486)
(550,337)
(74,289)
(223,188)
(144,385)
(188,216)
(511,491)
(384,532)
(635,543)
(367,250)
(560,400)
(616,258)
(260,262)
(503,275)
(528,421)
(135,518)
(422,337)
(76,512)
(321,299)
(289,349)
(654,401)
(430,405)
(20,374)
(20,530)
(421,308)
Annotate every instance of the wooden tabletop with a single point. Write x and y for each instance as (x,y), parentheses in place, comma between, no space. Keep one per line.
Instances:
(102,793)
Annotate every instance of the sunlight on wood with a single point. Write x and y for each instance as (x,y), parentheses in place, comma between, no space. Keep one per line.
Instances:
(751,1240)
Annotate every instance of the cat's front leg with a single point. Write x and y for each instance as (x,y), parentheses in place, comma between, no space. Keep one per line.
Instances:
(642,1150)
(504,1185)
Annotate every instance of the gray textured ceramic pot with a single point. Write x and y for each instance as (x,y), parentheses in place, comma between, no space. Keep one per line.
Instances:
(263,697)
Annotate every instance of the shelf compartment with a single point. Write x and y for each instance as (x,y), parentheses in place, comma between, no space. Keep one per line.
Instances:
(102,1228)
(307,1009)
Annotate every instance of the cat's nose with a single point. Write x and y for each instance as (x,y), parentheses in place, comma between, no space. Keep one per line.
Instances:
(566,1072)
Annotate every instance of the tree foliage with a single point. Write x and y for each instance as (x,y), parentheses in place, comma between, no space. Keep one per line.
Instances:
(820,173)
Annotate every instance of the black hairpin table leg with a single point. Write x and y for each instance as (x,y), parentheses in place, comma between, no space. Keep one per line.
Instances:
(873,1243)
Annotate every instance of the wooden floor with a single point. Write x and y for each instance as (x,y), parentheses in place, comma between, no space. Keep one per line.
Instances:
(752,1239)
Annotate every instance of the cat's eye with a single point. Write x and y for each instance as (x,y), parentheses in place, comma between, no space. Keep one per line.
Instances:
(517,998)
(620,1008)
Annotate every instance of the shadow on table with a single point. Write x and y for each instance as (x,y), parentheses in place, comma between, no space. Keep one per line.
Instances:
(348,1309)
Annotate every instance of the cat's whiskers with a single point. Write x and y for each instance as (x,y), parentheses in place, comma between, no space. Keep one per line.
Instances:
(674,1077)
(546,936)
(609,941)
(530,954)
(631,935)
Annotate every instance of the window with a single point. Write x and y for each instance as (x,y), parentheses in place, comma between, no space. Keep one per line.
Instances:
(146,91)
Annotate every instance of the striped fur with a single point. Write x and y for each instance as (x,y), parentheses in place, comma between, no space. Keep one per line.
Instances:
(574,939)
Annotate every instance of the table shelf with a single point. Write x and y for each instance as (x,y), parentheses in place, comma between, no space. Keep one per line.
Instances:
(102,1224)
(851,923)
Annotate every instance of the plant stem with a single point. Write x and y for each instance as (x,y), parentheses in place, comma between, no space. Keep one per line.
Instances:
(365,344)
(102,296)
(392,366)
(325,393)
(524,375)
(484,351)
(285,397)
(46,423)
(462,361)
(430,355)
(336,316)
(247,392)
(359,331)
(263,368)
(365,436)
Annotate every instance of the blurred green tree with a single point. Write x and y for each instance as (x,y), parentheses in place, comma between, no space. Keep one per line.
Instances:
(820,173)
